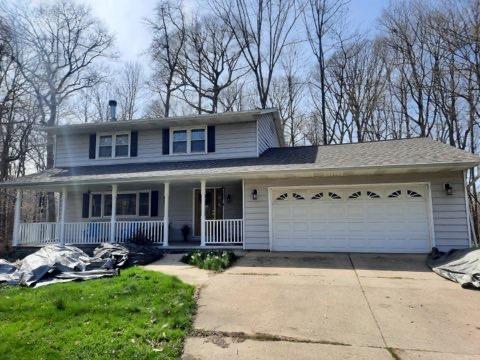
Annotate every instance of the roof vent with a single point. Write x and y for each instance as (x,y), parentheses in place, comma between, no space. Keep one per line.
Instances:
(113,110)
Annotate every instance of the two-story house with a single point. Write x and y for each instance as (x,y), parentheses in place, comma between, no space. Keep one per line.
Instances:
(229,179)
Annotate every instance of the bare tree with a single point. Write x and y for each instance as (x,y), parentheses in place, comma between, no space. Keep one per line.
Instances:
(128,90)
(166,50)
(286,96)
(60,42)
(263,29)
(320,18)
(211,63)
(408,37)
(18,114)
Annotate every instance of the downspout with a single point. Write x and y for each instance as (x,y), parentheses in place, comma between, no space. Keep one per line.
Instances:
(471,232)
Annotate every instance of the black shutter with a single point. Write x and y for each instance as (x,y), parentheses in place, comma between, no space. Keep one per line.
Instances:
(211,139)
(133,143)
(93,146)
(154,204)
(166,141)
(85,205)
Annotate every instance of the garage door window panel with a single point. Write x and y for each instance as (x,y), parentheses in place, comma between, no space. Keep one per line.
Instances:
(298,196)
(317,196)
(395,194)
(334,196)
(355,195)
(373,195)
(413,194)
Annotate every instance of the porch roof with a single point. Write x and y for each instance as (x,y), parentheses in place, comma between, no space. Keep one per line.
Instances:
(390,156)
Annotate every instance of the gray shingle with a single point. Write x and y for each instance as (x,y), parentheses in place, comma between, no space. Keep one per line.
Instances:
(390,153)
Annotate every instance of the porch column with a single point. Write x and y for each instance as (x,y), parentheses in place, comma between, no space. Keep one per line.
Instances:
(202,218)
(166,195)
(114,213)
(62,216)
(16,219)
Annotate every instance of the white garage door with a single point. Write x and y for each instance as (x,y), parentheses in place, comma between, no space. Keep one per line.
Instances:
(393,218)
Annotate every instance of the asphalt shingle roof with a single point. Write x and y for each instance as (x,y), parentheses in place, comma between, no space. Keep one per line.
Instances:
(415,152)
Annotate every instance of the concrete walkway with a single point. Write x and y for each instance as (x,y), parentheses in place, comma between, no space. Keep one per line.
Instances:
(331,306)
(170,264)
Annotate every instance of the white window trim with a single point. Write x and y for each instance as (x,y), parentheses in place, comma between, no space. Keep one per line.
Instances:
(137,206)
(114,141)
(188,129)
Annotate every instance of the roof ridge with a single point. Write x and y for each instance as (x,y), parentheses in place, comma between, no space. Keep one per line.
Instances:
(360,143)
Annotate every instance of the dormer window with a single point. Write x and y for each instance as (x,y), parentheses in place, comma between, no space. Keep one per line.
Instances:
(113,145)
(188,141)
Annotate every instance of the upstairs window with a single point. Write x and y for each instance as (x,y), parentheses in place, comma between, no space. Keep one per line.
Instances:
(113,145)
(179,143)
(197,144)
(188,141)
(121,145)
(105,146)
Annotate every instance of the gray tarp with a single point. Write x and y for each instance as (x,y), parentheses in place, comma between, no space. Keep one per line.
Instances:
(55,263)
(462,266)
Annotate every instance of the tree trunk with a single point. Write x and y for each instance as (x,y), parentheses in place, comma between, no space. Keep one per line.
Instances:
(52,121)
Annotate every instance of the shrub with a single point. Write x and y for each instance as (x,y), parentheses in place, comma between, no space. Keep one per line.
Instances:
(140,238)
(210,260)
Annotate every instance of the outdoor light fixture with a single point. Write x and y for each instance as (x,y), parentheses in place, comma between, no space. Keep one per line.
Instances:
(448,189)
(254,194)
(229,198)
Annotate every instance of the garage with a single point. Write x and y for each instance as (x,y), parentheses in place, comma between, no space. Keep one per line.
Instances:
(376,218)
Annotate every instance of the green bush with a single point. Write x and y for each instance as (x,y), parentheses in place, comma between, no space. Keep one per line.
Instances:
(210,260)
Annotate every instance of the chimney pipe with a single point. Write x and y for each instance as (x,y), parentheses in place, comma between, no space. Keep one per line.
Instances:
(113,110)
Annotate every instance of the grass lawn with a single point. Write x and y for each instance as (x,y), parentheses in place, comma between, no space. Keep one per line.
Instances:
(137,315)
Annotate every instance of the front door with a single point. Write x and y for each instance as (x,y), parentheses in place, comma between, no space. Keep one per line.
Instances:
(213,206)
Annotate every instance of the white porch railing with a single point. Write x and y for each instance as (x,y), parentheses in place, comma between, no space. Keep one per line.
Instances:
(224,232)
(38,233)
(128,230)
(84,233)
(217,232)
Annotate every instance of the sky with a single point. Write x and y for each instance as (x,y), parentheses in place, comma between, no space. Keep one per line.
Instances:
(125,19)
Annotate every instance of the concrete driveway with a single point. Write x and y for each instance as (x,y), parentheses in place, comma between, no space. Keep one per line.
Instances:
(334,306)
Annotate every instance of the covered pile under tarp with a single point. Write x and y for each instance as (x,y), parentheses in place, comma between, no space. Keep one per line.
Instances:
(462,266)
(56,263)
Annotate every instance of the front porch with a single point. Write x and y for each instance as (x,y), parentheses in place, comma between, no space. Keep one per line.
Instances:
(176,215)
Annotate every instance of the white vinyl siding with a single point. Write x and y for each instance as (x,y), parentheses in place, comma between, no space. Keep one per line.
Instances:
(449,212)
(267,134)
(231,141)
